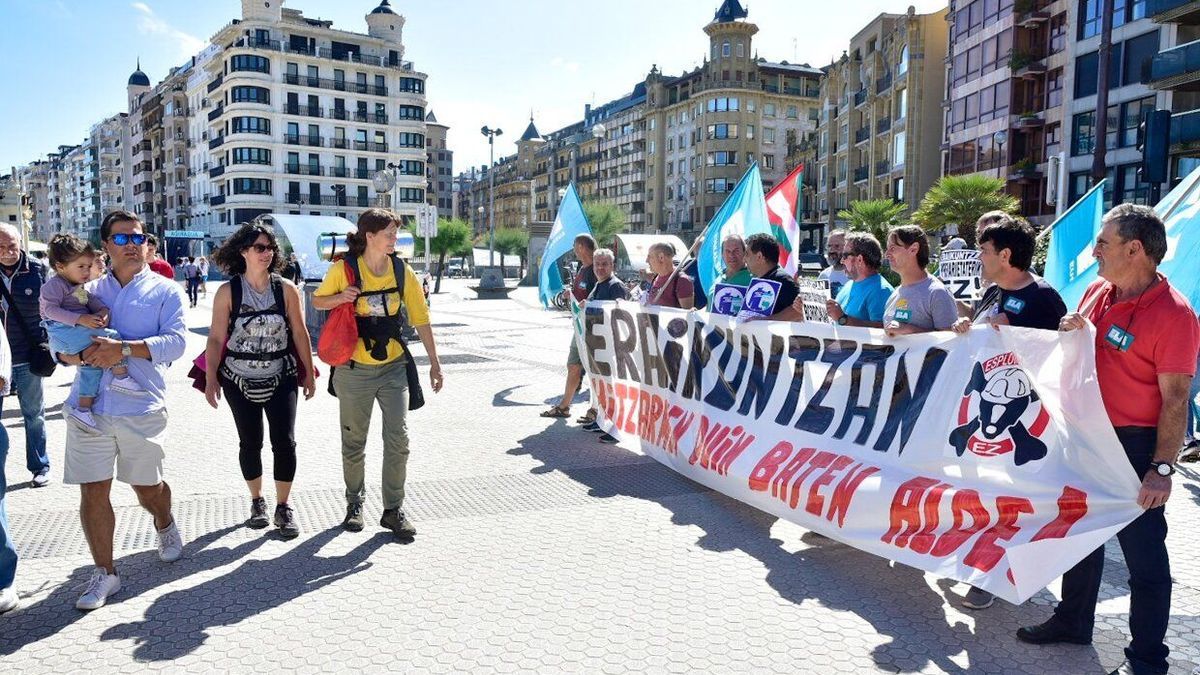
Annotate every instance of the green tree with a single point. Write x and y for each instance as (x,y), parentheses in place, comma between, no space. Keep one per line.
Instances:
(607,221)
(876,216)
(961,200)
(453,238)
(512,241)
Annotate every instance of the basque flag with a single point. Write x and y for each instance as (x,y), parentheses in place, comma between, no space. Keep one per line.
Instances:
(569,223)
(783,211)
(744,213)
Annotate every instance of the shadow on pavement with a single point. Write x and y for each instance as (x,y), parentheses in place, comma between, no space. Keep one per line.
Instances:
(176,624)
(140,572)
(893,598)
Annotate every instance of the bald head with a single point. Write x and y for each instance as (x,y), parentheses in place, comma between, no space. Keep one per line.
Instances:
(10,245)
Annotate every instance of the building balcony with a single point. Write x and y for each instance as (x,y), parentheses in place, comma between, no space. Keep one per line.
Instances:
(212,86)
(860,97)
(216,112)
(1024,171)
(862,135)
(1027,65)
(304,139)
(216,142)
(882,168)
(331,200)
(372,118)
(861,174)
(883,125)
(339,143)
(216,200)
(1028,122)
(1185,12)
(1175,69)
(304,110)
(216,171)
(371,146)
(304,169)
(1185,127)
(883,83)
(334,85)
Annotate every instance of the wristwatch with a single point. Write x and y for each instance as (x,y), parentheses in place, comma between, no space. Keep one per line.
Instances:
(126,349)
(1164,469)
(842,320)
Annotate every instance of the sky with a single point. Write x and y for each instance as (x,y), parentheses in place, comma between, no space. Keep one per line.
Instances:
(490,62)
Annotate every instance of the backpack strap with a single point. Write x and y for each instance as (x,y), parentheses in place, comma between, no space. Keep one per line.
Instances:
(235,299)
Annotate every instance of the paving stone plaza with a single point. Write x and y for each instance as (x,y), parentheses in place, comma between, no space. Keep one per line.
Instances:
(540,549)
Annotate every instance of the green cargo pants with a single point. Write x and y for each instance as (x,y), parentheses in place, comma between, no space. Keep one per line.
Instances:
(358,388)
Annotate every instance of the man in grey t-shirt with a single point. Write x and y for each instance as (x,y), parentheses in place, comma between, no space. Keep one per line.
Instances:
(920,303)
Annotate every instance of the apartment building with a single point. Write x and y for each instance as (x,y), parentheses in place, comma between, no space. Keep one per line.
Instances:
(1175,73)
(881,120)
(301,117)
(439,167)
(35,177)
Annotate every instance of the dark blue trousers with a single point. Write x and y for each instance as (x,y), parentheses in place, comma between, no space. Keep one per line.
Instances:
(1144,544)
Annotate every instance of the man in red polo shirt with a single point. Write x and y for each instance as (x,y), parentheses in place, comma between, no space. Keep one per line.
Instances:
(1146,343)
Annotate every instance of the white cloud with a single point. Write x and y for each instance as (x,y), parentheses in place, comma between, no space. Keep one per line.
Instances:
(151,24)
(563,64)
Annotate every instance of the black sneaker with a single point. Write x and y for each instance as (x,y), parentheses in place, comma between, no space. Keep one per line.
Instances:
(591,426)
(398,523)
(258,514)
(285,520)
(354,518)
(608,438)
(1050,632)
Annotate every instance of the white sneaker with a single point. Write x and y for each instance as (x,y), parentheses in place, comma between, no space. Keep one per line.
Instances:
(170,544)
(100,586)
(84,417)
(126,385)
(8,599)
(41,479)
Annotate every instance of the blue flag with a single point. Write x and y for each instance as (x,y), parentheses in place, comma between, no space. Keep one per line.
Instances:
(1180,211)
(568,224)
(743,213)
(1072,238)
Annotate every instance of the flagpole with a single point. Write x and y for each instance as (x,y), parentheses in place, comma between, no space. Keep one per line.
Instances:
(1044,233)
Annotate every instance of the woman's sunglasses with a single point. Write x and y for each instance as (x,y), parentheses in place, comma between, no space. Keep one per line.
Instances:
(263,248)
(123,239)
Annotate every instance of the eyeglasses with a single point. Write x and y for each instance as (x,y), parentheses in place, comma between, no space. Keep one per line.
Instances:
(122,239)
(263,248)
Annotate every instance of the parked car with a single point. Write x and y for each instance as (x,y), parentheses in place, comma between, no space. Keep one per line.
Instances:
(810,264)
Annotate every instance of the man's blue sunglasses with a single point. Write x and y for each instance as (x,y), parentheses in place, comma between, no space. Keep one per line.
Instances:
(122,239)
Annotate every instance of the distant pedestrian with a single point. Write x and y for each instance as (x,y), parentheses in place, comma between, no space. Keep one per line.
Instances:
(581,287)
(99,266)
(291,271)
(191,277)
(202,266)
(147,311)
(22,277)
(72,317)
(157,263)
(258,322)
(922,303)
(384,284)
(8,552)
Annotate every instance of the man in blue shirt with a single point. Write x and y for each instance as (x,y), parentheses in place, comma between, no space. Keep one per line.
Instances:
(147,311)
(863,300)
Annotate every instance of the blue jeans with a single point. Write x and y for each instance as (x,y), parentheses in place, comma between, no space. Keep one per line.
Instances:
(8,553)
(66,339)
(27,387)
(1144,543)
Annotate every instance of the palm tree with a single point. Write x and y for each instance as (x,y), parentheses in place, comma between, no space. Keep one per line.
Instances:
(876,216)
(607,221)
(961,200)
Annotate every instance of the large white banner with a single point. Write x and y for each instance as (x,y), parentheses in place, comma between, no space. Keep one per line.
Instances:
(987,457)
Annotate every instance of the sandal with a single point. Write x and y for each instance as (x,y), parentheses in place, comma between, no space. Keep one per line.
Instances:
(557,411)
(588,417)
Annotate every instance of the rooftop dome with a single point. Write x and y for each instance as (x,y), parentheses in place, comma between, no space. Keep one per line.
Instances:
(138,78)
(383,8)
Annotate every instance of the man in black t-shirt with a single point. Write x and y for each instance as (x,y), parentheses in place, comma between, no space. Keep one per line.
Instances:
(1015,298)
(762,257)
(608,287)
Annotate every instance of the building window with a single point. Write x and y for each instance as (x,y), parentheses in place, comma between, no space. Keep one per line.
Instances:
(901,104)
(750,131)
(411,140)
(898,193)
(902,66)
(251,125)
(1054,87)
(249,62)
(741,49)
(1137,51)
(411,112)
(898,149)
(722,158)
(725,49)
(768,161)
(768,110)
(250,95)
(750,105)
(768,135)
(793,112)
(251,156)
(722,131)
(412,85)
(1083,134)
(723,104)
(1132,114)
(409,195)
(251,186)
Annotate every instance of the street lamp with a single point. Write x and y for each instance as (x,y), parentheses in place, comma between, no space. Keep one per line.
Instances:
(491,136)
(1000,138)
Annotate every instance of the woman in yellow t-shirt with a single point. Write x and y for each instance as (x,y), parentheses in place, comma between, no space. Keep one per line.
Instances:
(377,371)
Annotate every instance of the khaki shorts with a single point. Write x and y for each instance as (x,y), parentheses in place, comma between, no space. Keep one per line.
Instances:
(133,444)
(573,354)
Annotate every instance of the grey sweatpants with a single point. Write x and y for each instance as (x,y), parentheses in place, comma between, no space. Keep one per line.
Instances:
(358,388)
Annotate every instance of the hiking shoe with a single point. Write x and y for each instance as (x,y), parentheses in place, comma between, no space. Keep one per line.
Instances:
(354,518)
(258,514)
(41,479)
(100,586)
(977,598)
(1050,632)
(608,438)
(8,599)
(170,544)
(285,520)
(398,523)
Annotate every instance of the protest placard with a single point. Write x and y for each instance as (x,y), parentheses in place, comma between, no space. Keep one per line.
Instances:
(761,296)
(959,270)
(814,293)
